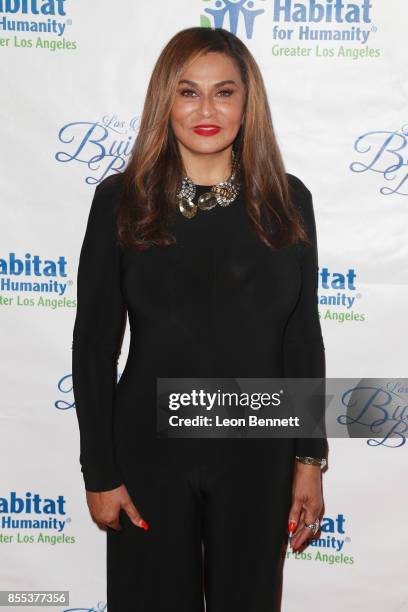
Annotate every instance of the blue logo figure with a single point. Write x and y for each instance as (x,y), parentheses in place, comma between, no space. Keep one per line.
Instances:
(234,9)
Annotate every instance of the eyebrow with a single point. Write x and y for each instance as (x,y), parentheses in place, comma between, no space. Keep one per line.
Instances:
(219,84)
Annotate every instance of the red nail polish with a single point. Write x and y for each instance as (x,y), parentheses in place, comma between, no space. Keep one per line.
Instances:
(144,525)
(292,526)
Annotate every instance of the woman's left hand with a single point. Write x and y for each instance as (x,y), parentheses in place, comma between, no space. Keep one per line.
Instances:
(307,501)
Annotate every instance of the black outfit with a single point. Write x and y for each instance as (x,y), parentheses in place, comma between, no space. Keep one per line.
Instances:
(218,304)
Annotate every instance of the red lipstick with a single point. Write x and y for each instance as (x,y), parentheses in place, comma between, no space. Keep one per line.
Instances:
(206,129)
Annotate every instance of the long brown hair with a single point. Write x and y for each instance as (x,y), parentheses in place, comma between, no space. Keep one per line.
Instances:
(154,170)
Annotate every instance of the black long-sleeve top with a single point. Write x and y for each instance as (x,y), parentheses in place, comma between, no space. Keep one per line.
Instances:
(219,303)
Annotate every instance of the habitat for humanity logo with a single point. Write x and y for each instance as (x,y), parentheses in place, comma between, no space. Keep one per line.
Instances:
(383,152)
(229,14)
(102,145)
(32,512)
(338,293)
(331,545)
(320,22)
(28,273)
(39,16)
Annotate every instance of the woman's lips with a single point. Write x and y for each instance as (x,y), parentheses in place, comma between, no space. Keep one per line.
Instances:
(206,131)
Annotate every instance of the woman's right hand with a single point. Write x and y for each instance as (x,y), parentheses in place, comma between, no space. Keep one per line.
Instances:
(105,506)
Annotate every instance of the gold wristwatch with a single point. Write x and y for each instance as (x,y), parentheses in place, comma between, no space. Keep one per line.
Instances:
(312,461)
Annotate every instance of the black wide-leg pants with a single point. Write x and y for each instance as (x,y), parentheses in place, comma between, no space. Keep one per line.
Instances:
(217,531)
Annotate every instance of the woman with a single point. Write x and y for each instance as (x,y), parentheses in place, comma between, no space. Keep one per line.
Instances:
(219,285)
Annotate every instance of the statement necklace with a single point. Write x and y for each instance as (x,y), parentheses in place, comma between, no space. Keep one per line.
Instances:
(222,193)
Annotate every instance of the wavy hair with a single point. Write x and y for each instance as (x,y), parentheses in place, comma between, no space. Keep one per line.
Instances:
(154,170)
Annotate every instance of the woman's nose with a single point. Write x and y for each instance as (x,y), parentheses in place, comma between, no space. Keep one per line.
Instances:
(206,105)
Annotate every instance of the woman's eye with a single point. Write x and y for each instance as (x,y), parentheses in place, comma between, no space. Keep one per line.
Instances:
(186,91)
(226,93)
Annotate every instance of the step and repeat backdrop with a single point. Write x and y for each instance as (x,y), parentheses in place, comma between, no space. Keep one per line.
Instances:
(74,75)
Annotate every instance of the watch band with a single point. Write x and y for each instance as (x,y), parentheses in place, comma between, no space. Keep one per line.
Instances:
(312,461)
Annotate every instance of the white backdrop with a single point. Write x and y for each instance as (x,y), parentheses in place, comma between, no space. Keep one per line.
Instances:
(70,113)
